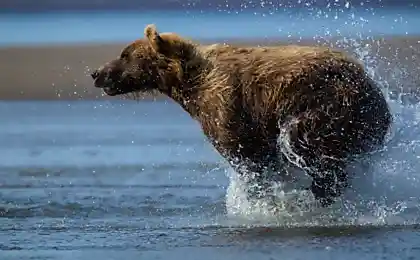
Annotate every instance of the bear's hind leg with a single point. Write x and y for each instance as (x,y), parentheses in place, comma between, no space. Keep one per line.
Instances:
(304,144)
(329,180)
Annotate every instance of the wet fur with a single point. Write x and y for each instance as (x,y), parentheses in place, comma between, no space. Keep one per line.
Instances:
(243,96)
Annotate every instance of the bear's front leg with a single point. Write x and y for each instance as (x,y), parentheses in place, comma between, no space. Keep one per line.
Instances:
(259,176)
(257,181)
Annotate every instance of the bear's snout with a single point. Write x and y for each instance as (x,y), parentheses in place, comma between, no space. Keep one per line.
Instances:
(105,75)
(101,77)
(108,78)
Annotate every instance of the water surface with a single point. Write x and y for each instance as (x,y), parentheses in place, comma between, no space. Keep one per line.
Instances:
(126,179)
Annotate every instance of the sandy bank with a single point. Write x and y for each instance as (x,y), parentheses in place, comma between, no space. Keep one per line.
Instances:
(62,72)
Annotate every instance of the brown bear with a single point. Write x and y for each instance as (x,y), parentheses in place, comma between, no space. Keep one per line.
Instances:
(320,101)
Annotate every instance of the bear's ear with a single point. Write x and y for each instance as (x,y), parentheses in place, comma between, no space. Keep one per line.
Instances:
(169,44)
(154,38)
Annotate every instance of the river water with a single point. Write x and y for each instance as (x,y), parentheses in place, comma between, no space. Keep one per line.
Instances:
(131,179)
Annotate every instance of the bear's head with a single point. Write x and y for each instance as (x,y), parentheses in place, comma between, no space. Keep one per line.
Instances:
(154,63)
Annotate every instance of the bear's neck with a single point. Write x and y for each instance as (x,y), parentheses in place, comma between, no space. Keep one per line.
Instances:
(186,97)
(184,89)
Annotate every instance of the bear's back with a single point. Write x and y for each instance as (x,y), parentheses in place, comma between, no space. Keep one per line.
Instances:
(287,56)
(274,65)
(263,77)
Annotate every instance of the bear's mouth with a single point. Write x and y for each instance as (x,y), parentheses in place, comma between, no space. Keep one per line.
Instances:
(112,87)
(114,91)
(111,91)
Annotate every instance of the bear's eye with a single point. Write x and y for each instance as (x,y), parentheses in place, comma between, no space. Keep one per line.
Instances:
(124,55)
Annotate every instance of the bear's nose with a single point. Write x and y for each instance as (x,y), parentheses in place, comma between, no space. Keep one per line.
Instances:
(94,74)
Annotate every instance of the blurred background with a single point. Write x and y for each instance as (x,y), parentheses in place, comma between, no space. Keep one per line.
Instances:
(48,47)
(84,176)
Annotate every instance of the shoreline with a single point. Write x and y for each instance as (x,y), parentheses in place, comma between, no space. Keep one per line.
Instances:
(61,71)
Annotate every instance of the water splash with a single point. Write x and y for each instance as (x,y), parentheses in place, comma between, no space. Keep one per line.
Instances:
(386,186)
